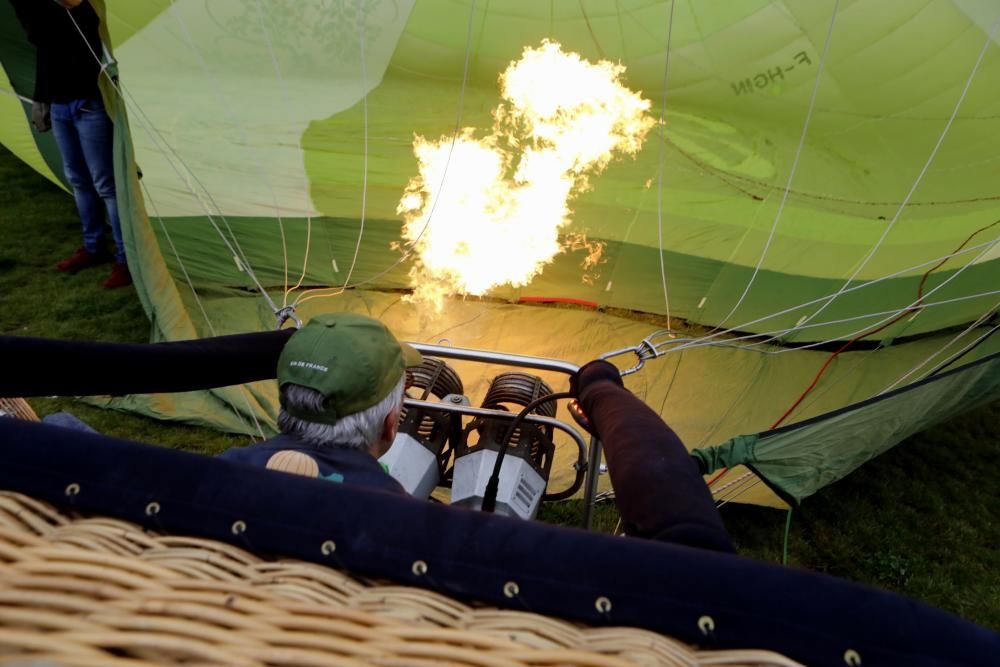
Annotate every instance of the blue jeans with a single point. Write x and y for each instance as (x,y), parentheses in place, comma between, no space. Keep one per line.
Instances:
(67,420)
(84,134)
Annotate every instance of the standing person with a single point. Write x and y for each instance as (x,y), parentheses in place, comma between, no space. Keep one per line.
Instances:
(67,101)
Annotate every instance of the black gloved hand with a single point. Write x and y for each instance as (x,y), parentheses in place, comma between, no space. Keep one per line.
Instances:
(591,373)
(40,116)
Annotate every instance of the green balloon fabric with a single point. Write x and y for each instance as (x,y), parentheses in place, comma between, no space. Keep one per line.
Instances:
(814,173)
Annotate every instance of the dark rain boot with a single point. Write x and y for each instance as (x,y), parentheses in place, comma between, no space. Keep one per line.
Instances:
(120,277)
(82,259)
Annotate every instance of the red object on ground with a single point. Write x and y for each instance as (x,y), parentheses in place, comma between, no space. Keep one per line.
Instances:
(82,259)
(120,277)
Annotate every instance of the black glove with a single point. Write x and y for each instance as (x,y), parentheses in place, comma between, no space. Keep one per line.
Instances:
(591,373)
(40,116)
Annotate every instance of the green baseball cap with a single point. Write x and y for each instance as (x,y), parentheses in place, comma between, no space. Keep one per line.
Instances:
(352,359)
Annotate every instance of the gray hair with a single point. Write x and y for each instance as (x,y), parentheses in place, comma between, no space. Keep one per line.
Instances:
(359,430)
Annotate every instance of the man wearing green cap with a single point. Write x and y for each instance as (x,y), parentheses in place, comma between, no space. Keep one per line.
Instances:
(340,385)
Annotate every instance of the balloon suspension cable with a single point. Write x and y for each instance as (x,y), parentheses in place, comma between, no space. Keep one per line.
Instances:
(646,349)
(283,315)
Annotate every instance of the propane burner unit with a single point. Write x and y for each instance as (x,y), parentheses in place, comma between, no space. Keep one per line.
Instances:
(418,456)
(525,469)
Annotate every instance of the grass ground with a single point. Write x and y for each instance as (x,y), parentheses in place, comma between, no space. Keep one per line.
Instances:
(922,520)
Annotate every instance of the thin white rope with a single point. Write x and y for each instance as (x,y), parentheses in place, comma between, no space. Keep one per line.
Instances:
(740,484)
(122,92)
(223,101)
(844,288)
(795,162)
(923,171)
(785,350)
(890,313)
(261,19)
(14,93)
(728,485)
(154,133)
(758,481)
(742,491)
(458,124)
(364,177)
(177,256)
(663,158)
(830,383)
(751,347)
(958,355)
(982,318)
(916,305)
(204,314)
(264,23)
(237,251)
(711,336)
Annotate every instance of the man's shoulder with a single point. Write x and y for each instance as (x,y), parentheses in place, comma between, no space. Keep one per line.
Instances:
(334,463)
(257,449)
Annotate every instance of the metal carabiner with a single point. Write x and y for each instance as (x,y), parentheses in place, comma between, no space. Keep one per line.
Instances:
(285,314)
(644,351)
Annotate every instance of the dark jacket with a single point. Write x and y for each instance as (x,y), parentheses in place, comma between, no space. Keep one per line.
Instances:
(336,464)
(68,47)
(659,491)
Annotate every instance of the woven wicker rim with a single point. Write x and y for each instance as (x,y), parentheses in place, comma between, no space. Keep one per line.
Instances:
(97,591)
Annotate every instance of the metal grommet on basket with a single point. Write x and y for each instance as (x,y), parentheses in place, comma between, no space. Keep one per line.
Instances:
(328,547)
(419,568)
(707,625)
(511,589)
(239,527)
(73,489)
(602,604)
(852,658)
(152,508)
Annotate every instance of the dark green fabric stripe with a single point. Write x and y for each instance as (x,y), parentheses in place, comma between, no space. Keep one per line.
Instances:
(632,271)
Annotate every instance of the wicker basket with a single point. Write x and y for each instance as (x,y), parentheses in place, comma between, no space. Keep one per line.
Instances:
(98,591)
(17,408)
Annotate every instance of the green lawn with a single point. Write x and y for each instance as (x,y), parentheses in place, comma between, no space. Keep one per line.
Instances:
(923,520)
